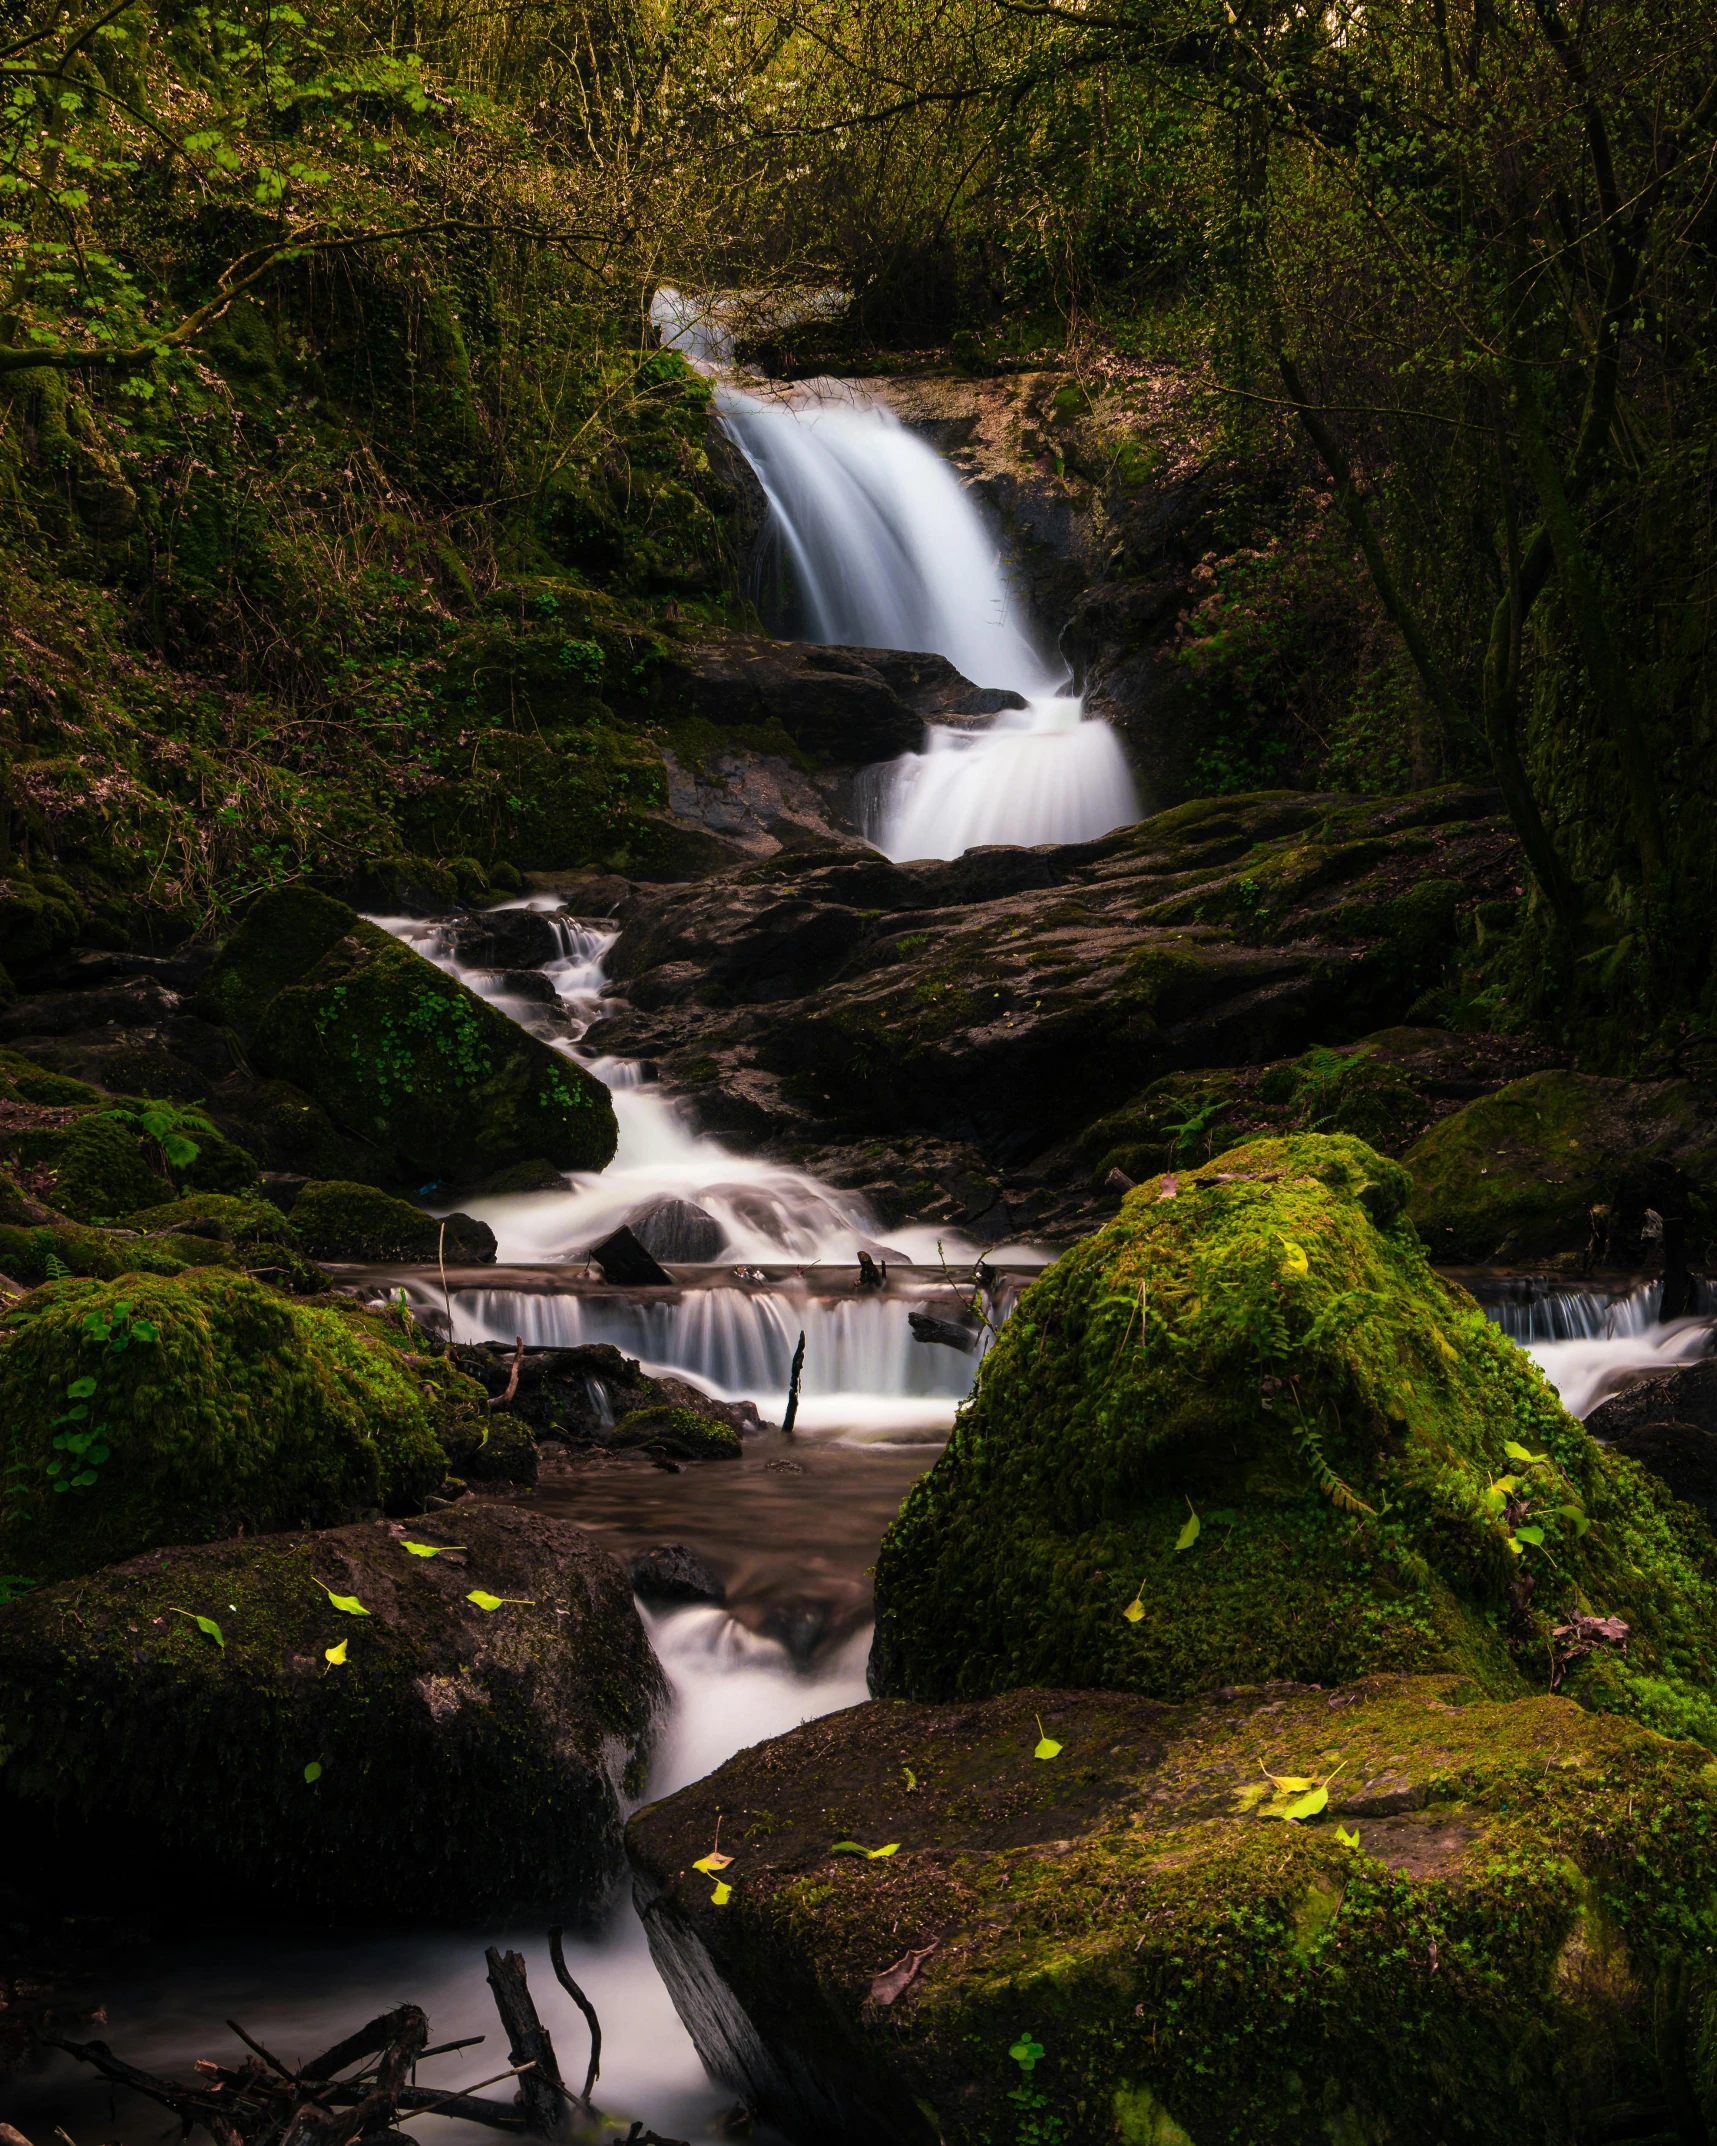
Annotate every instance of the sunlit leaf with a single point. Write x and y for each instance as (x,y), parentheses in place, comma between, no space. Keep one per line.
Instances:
(313,1772)
(722,1895)
(349,1603)
(1294,1257)
(1134,1610)
(1519,1452)
(1308,1805)
(206,1625)
(486,1601)
(853,1847)
(1347,1839)
(711,1863)
(1190,1532)
(1047,1747)
(1290,1784)
(335,1655)
(429,1549)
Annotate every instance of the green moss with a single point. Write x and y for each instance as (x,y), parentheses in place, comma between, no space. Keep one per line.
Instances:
(1271,1352)
(341,1221)
(679,1430)
(247,1222)
(242,1409)
(140,1758)
(220,1165)
(98,1166)
(51,1090)
(1466,1943)
(284,935)
(407,1057)
(487,1445)
(36,921)
(28,1250)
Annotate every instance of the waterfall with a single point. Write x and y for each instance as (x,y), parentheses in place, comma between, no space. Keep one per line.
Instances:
(884,548)
(1590,1343)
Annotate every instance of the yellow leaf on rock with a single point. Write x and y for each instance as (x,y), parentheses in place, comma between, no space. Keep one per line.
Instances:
(349,1603)
(1294,1257)
(335,1655)
(711,1863)
(722,1895)
(1047,1747)
(486,1601)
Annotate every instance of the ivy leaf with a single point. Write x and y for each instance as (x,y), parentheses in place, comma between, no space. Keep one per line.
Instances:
(486,1601)
(722,1895)
(313,1772)
(144,1330)
(429,1549)
(1047,1747)
(334,1656)
(80,1389)
(1189,1534)
(711,1863)
(349,1603)
(206,1625)
(1294,1257)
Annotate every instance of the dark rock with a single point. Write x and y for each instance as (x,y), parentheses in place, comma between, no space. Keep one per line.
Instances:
(139,1003)
(283,1188)
(582,1395)
(528,986)
(471,1762)
(1687,1396)
(506,939)
(672,1573)
(833,703)
(678,1230)
(356,1222)
(807,1624)
(626,1264)
(950,1333)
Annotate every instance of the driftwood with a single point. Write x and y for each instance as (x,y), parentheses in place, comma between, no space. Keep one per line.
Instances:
(500,1400)
(797,1373)
(949,1332)
(360,2091)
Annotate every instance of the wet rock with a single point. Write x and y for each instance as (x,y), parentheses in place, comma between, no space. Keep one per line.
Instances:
(678,1230)
(663,1426)
(1204,1358)
(506,939)
(1561,1165)
(456,1763)
(673,1573)
(222,1406)
(626,1263)
(581,1395)
(356,1222)
(833,703)
(1687,1396)
(1067,1908)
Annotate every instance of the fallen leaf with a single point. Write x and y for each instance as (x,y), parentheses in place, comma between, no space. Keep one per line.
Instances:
(206,1625)
(1047,1747)
(429,1549)
(335,1655)
(853,1847)
(722,1895)
(1134,1610)
(486,1601)
(349,1603)
(1170,1187)
(895,1980)
(1347,1839)
(711,1863)
(1308,1805)
(1188,1534)
(313,1772)
(911,1779)
(1294,1257)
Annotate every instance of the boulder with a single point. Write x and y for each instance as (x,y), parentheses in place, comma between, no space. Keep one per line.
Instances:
(672,1573)
(1247,1432)
(1157,1932)
(678,1230)
(626,1264)
(150,1410)
(1518,1174)
(95,1167)
(399,1053)
(356,1222)
(582,1396)
(352,1733)
(684,1433)
(506,939)
(1668,1425)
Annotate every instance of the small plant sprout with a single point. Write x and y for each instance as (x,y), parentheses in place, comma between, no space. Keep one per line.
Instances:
(313,1772)
(1026,2053)
(429,1549)
(1047,1747)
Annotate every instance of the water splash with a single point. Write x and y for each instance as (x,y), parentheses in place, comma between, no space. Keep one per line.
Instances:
(1591,1343)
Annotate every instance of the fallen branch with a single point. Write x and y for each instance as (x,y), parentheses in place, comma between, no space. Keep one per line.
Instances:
(500,1400)
(558,1958)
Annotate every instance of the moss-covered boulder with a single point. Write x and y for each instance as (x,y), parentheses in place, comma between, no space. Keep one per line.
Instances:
(400,1054)
(96,1168)
(44,1252)
(244,1222)
(1491,1925)
(356,1222)
(418,1756)
(1517,1175)
(682,1432)
(175,1410)
(1246,1432)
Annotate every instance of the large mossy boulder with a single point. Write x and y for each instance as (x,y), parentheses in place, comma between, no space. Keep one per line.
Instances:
(1493,1925)
(356,1222)
(1559,1163)
(400,1054)
(176,1410)
(417,1756)
(1247,1432)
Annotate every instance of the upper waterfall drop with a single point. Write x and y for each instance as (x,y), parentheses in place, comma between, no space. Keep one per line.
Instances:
(883,547)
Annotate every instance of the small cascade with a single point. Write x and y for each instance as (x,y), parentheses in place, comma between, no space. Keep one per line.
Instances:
(1592,1342)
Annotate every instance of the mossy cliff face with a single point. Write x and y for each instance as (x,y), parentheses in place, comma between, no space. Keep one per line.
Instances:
(403,1056)
(1262,1346)
(1517,1174)
(1129,1943)
(472,1761)
(213,1403)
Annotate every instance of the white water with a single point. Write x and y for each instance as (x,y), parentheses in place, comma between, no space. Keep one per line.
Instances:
(884,548)
(1590,1344)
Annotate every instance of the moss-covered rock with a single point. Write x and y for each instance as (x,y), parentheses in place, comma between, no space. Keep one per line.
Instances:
(1517,1174)
(43,1251)
(96,1168)
(338,1221)
(1496,1928)
(284,935)
(180,1409)
(487,1445)
(1380,1479)
(680,1431)
(428,1759)
(245,1222)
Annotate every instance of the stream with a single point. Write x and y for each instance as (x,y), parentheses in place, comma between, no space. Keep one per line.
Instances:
(885,549)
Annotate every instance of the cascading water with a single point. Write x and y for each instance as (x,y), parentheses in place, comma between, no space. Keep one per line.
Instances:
(1590,1343)
(884,548)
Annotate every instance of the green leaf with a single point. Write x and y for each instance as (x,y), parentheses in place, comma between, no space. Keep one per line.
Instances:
(349,1603)
(1134,1610)
(313,1772)
(1519,1452)
(80,1389)
(1188,1534)
(853,1847)
(1308,1805)
(144,1330)
(1294,1257)
(430,1549)
(206,1625)
(1535,1536)
(486,1601)
(1047,1747)
(1026,2051)
(1347,1839)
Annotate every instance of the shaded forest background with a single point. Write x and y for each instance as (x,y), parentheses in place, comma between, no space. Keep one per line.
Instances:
(349,513)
